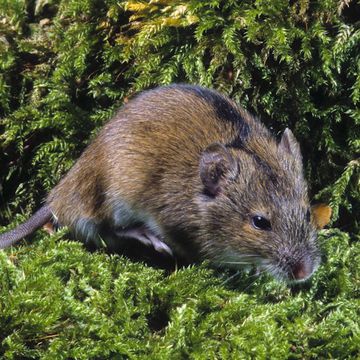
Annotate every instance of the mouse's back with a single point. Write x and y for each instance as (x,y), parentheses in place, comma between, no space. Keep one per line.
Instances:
(147,156)
(186,170)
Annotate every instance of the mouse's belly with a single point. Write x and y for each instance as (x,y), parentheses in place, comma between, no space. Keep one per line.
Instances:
(124,224)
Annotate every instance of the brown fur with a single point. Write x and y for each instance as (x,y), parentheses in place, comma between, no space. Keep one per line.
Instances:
(194,168)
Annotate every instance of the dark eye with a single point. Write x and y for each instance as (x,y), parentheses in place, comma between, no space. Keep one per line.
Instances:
(308,216)
(261,223)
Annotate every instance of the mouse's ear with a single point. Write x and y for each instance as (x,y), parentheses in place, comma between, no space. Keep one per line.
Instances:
(216,165)
(289,144)
(321,214)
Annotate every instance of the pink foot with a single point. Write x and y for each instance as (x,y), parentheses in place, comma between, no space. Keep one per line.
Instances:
(146,237)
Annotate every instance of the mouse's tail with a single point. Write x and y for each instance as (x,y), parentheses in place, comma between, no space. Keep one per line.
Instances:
(41,217)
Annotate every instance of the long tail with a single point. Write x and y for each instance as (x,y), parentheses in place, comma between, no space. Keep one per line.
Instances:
(41,217)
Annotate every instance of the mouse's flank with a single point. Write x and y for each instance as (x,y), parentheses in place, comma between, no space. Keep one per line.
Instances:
(185,170)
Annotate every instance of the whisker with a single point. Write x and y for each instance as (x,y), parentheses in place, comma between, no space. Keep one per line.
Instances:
(274,270)
(237,262)
(266,268)
(263,271)
(253,282)
(230,278)
(248,255)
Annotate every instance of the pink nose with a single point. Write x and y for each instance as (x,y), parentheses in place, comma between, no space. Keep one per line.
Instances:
(301,270)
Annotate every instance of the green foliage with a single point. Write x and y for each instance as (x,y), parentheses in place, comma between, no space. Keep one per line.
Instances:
(65,66)
(59,301)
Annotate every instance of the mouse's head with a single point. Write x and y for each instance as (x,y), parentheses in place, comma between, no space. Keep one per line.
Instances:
(255,208)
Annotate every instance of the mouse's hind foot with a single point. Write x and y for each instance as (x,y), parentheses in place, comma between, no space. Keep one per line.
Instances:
(146,237)
(49,227)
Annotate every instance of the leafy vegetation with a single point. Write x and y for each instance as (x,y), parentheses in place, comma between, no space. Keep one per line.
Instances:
(66,65)
(59,301)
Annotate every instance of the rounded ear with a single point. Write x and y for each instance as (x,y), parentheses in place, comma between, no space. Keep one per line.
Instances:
(320,214)
(289,144)
(216,165)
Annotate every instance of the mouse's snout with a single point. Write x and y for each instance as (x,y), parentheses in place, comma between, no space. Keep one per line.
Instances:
(301,270)
(297,265)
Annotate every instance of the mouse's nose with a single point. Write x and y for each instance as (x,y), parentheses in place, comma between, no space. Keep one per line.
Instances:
(301,270)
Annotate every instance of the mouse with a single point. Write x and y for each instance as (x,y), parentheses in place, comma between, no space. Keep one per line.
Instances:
(186,171)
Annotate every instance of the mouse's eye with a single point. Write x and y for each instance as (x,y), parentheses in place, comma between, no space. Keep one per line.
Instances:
(308,215)
(260,223)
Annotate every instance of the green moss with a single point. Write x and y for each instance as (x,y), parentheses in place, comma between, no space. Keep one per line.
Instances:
(66,65)
(60,301)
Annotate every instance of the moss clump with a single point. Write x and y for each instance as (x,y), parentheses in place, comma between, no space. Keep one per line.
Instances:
(59,301)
